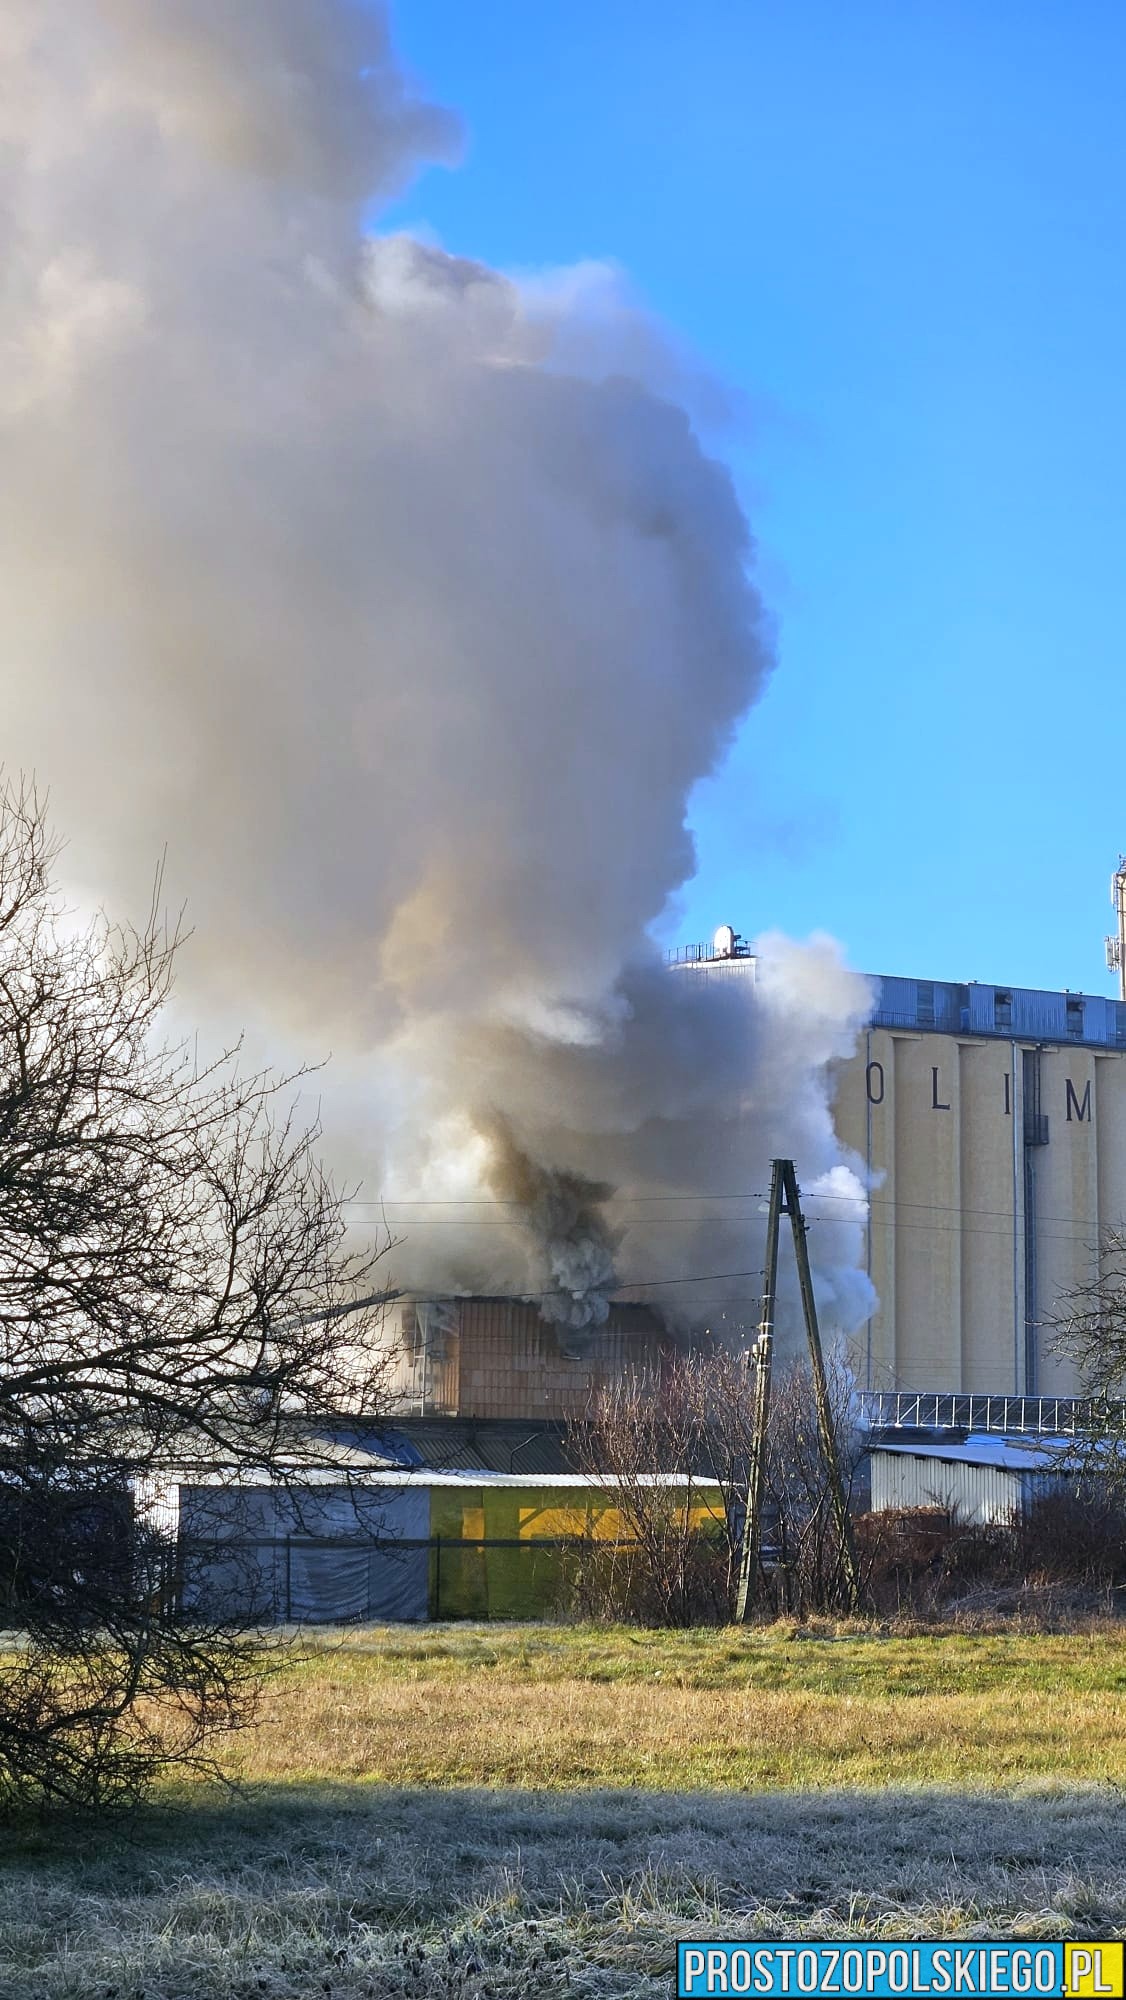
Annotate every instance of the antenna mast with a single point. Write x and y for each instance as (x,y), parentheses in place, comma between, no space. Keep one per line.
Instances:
(1116,945)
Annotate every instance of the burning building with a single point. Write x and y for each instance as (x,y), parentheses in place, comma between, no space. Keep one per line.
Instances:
(498,1358)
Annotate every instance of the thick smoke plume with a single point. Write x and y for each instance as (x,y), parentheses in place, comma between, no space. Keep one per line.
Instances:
(564,1215)
(401,602)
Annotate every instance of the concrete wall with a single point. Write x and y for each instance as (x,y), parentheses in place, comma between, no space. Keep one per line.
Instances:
(993,1123)
(986,1215)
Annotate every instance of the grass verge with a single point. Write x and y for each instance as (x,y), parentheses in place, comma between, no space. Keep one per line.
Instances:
(476,1813)
(361,1894)
(565,1707)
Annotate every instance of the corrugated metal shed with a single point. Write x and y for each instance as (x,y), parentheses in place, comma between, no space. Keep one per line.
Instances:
(1011,1454)
(985,1479)
(409,1544)
(977,1493)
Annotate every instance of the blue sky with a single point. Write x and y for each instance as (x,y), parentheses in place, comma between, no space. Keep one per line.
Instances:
(897,231)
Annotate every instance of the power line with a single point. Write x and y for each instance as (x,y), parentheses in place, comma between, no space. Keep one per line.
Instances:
(1080,1229)
(705,1278)
(857,1201)
(410,1297)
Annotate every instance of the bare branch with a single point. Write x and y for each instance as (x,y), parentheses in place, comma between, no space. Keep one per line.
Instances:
(175,1288)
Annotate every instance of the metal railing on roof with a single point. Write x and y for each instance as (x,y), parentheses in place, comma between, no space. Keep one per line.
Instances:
(1012,1416)
(707,954)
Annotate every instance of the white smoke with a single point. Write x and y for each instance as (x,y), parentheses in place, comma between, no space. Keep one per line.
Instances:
(400,601)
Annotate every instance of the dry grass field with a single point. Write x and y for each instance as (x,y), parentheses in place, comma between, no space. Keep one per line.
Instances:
(562,1707)
(489,1811)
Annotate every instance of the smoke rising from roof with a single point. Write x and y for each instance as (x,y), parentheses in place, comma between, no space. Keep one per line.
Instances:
(564,1215)
(401,601)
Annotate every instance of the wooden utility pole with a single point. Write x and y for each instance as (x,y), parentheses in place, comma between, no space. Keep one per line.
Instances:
(825,1426)
(785,1198)
(761,1359)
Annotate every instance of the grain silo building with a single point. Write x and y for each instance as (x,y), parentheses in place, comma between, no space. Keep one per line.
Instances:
(991,1121)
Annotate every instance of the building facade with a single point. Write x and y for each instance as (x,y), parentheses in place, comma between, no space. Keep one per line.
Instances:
(496,1358)
(986,1480)
(991,1121)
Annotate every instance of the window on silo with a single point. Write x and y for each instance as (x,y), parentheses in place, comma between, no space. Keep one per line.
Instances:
(1075,1020)
(1002,1010)
(924,1003)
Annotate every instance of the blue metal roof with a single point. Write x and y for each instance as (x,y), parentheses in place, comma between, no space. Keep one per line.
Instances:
(1016,1013)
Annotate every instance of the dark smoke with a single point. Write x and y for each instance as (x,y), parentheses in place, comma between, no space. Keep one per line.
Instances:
(563,1215)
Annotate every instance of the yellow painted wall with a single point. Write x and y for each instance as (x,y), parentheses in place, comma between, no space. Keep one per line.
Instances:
(516,1578)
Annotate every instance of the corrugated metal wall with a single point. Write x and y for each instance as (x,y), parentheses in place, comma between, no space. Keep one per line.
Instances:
(1029,1013)
(980,1493)
(422,1360)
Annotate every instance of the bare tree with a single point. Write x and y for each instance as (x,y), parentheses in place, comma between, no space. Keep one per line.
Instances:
(1088,1328)
(640,1442)
(1089,1325)
(697,1423)
(801,1566)
(174,1289)
(809,1571)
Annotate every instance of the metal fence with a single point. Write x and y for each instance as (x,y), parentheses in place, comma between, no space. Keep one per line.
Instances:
(1011,1416)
